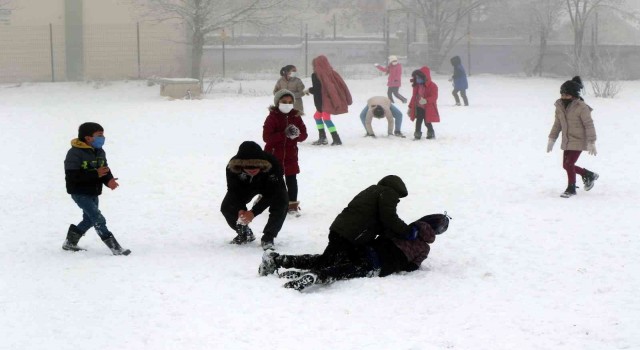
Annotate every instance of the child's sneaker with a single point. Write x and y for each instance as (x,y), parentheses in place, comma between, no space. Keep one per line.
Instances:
(305,281)
(290,274)
(268,265)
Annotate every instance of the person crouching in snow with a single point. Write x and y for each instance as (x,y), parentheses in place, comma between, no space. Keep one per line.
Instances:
(282,131)
(573,118)
(380,107)
(423,107)
(330,96)
(254,172)
(86,171)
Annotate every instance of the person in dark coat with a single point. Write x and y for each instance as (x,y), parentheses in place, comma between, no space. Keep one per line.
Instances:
(460,83)
(358,237)
(282,131)
(253,172)
(86,171)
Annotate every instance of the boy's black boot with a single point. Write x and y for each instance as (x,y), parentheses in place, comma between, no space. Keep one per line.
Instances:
(570,191)
(115,247)
(588,179)
(73,236)
(417,135)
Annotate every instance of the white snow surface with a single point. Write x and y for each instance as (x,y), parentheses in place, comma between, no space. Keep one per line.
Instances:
(519,267)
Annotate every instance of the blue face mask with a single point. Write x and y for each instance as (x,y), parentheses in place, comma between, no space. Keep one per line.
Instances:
(98,142)
(419,80)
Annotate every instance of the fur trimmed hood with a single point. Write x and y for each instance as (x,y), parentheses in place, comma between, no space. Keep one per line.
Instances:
(250,154)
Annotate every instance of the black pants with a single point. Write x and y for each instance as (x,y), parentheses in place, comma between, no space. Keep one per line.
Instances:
(292,187)
(420,116)
(463,93)
(395,91)
(278,205)
(340,260)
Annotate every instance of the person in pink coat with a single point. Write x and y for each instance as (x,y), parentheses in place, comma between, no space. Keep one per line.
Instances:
(394,71)
(423,107)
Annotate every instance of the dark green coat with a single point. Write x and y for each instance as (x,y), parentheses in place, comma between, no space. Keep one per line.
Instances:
(373,212)
(81,169)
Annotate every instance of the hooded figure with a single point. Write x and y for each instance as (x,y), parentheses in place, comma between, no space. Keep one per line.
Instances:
(335,97)
(331,96)
(253,172)
(459,79)
(423,106)
(281,133)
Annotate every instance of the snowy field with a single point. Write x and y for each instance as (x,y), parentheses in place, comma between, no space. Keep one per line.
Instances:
(519,268)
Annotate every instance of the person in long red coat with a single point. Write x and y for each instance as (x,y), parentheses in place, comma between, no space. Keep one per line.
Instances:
(423,107)
(330,96)
(282,131)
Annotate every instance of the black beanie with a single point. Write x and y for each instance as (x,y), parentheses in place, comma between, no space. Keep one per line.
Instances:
(87,129)
(572,87)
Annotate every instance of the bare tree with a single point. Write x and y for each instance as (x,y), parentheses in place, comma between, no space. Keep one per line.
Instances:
(579,12)
(443,20)
(203,17)
(545,15)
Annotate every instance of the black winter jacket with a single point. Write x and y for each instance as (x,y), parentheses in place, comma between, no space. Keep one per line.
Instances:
(80,168)
(268,182)
(373,212)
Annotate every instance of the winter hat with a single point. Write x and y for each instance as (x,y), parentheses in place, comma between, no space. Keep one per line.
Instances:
(280,94)
(393,58)
(250,154)
(572,87)
(87,129)
(438,222)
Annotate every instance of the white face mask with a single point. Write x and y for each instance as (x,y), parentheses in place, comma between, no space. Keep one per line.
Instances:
(285,108)
(293,74)
(394,63)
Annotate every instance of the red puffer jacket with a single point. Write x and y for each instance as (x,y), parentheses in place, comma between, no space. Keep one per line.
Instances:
(277,142)
(427,92)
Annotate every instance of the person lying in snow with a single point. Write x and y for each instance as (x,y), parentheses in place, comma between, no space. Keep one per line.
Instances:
(367,239)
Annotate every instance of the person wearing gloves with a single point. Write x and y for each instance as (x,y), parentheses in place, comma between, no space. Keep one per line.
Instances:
(330,96)
(86,171)
(253,172)
(289,81)
(367,239)
(394,80)
(381,107)
(573,119)
(282,131)
(423,107)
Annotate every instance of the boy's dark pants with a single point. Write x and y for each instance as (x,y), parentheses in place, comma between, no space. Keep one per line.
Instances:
(278,203)
(91,215)
(463,93)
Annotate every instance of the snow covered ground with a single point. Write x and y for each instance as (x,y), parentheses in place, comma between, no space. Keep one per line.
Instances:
(519,268)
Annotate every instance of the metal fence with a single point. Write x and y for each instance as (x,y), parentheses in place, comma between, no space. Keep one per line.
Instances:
(42,53)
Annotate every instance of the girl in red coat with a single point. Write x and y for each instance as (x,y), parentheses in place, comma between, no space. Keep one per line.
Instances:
(282,131)
(424,102)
